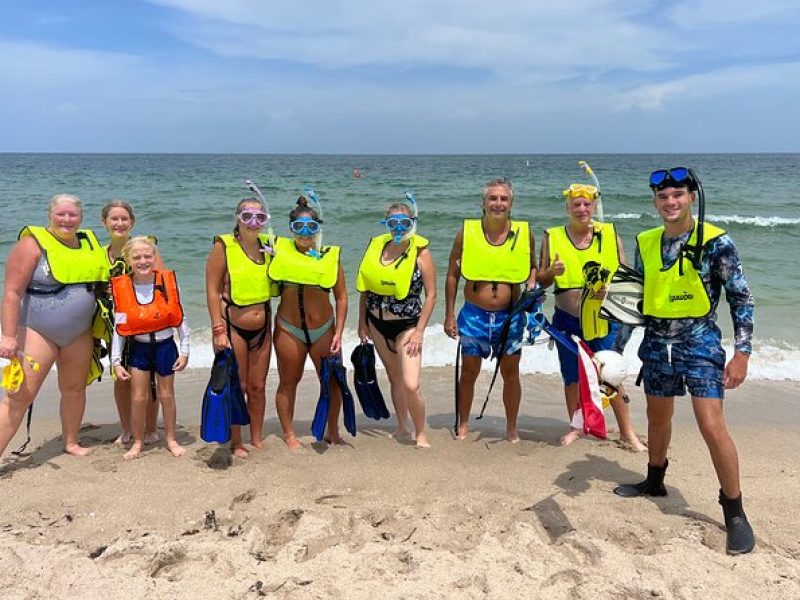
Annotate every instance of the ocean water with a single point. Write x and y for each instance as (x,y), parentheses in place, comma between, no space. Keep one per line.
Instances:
(185,200)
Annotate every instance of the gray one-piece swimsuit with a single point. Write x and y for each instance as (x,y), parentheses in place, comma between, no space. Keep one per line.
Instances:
(59,312)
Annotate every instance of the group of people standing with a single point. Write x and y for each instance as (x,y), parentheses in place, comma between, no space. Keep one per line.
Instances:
(56,274)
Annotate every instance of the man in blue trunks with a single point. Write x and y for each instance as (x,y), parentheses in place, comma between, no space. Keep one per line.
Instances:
(686,263)
(494,255)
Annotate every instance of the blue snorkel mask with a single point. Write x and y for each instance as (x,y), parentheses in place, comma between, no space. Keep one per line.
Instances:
(398,224)
(310,226)
(401,225)
(304,226)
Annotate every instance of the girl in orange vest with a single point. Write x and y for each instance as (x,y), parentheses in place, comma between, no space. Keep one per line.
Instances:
(147,308)
(118,219)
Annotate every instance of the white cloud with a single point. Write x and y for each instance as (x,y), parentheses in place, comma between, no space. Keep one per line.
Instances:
(497,36)
(691,14)
(37,66)
(780,79)
(376,80)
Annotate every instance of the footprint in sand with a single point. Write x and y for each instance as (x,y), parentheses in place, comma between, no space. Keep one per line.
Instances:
(565,580)
(407,562)
(106,465)
(279,532)
(243,498)
(580,551)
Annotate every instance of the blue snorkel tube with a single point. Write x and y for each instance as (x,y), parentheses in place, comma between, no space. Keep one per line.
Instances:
(270,233)
(309,193)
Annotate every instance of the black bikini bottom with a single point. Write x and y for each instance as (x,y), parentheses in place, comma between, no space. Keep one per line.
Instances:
(390,329)
(254,338)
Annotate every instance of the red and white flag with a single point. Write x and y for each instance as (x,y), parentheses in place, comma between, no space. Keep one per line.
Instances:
(589,418)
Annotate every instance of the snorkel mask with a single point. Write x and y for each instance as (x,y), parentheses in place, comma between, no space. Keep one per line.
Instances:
(591,192)
(253,218)
(257,217)
(307,226)
(401,225)
(684,177)
(304,226)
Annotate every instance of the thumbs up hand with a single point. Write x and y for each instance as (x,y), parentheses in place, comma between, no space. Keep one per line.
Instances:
(557,267)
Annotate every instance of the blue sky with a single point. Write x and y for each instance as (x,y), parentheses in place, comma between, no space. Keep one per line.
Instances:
(418,76)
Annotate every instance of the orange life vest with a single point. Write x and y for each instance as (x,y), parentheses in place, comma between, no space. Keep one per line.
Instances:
(164,311)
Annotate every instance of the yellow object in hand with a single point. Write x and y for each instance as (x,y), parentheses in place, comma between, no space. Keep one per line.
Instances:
(14,375)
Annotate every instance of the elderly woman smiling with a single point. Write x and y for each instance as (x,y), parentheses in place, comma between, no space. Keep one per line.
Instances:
(48,305)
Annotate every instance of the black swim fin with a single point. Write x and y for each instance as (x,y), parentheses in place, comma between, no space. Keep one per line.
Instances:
(365,381)
(215,418)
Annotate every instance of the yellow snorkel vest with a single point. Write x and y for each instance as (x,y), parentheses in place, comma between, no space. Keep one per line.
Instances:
(393,279)
(249,282)
(603,250)
(291,266)
(86,264)
(677,292)
(509,262)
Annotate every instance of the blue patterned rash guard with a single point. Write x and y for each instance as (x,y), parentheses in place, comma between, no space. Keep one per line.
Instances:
(720,267)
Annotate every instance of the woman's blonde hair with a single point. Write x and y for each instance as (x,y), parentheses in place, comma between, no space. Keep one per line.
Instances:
(401,207)
(139,240)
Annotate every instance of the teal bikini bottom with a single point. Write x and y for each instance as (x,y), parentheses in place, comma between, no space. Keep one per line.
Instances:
(300,334)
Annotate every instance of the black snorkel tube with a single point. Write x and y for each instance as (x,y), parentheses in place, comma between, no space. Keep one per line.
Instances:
(701,217)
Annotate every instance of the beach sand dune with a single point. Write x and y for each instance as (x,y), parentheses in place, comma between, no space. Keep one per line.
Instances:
(380,518)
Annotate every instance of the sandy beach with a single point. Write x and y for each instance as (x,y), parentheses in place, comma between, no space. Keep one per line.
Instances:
(379,518)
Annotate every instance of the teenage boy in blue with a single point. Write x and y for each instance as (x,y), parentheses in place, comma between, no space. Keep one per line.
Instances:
(686,263)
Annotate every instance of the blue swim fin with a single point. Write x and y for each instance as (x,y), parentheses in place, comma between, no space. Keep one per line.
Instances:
(239,414)
(333,369)
(348,405)
(215,418)
(323,404)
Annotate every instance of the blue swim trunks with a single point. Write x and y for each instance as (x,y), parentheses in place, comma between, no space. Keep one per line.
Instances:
(479,331)
(697,363)
(146,358)
(569,326)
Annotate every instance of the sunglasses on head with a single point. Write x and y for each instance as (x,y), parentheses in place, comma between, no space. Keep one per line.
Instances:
(304,226)
(677,176)
(398,222)
(253,217)
(579,190)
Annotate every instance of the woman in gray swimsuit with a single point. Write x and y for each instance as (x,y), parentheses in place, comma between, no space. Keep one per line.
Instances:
(48,320)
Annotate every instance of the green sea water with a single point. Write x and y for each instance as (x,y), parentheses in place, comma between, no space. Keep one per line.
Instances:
(185,200)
